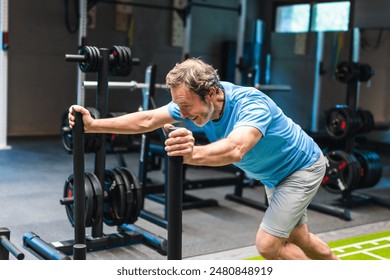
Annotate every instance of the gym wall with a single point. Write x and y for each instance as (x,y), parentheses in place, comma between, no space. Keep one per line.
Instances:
(42,85)
(40,82)
(297,70)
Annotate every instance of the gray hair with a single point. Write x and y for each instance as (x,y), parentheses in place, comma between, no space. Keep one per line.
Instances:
(196,75)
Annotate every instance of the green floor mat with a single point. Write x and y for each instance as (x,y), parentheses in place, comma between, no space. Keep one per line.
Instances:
(374,246)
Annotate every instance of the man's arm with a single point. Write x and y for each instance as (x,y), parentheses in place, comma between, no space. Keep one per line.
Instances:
(223,152)
(132,123)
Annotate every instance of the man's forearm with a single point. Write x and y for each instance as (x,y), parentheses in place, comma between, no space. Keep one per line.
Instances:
(219,153)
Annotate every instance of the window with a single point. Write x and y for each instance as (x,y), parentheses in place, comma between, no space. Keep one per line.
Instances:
(331,16)
(324,16)
(293,18)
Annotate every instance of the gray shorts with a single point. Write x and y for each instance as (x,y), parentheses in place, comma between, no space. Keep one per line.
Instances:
(289,200)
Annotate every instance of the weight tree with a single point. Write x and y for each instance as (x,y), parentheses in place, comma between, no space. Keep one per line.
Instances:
(86,191)
(350,169)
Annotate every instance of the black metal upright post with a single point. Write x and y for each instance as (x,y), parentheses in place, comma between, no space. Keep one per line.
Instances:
(352,102)
(175,206)
(102,107)
(79,248)
(147,94)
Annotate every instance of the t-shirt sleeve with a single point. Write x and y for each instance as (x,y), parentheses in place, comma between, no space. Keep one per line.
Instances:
(253,113)
(174,111)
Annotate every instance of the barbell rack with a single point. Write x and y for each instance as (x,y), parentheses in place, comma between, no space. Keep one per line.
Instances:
(133,85)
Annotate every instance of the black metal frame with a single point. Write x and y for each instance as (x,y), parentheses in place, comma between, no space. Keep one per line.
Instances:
(341,207)
(127,234)
(6,246)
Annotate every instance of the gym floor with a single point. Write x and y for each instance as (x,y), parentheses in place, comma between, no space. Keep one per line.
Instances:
(33,174)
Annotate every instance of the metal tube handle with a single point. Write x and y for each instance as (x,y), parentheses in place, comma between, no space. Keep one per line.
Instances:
(79,182)
(175,205)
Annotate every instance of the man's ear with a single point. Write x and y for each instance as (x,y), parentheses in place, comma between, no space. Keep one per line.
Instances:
(212,91)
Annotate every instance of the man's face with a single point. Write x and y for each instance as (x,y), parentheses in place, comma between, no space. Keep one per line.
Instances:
(192,106)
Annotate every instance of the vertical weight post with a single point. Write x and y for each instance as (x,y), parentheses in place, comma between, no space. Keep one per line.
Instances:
(79,248)
(102,107)
(175,206)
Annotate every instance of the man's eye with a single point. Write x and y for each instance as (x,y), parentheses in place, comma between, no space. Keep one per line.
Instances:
(187,106)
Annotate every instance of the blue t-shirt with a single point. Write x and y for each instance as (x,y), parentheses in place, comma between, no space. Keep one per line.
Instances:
(284,147)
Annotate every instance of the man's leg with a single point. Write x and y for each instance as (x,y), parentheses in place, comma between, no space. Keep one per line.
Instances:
(277,248)
(311,244)
(301,245)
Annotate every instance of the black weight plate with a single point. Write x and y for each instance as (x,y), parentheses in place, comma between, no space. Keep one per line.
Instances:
(84,65)
(129,197)
(115,62)
(66,133)
(127,66)
(365,72)
(114,206)
(347,72)
(372,168)
(120,198)
(122,61)
(97,59)
(89,201)
(342,172)
(342,121)
(87,65)
(367,122)
(69,193)
(336,125)
(97,198)
(92,141)
(137,191)
(92,59)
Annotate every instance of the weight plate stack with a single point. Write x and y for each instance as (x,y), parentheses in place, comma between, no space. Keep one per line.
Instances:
(123,197)
(365,72)
(347,72)
(119,201)
(93,194)
(367,122)
(114,208)
(92,59)
(343,172)
(135,195)
(371,166)
(97,188)
(350,72)
(341,122)
(120,61)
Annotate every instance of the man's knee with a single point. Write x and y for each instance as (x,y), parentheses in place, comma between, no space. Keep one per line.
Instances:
(268,246)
